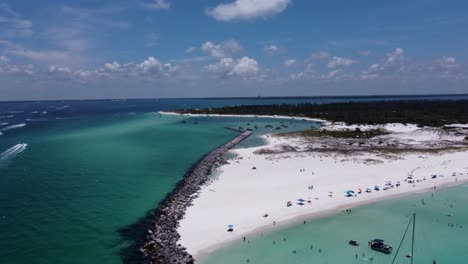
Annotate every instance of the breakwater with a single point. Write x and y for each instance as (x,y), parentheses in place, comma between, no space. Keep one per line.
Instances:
(161,240)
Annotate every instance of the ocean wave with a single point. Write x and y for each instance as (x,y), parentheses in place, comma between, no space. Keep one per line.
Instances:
(12,152)
(13,127)
(4,124)
(36,119)
(8,116)
(12,112)
(62,107)
(44,113)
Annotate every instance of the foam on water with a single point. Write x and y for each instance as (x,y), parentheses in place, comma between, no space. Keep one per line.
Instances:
(36,119)
(8,116)
(62,107)
(12,152)
(13,127)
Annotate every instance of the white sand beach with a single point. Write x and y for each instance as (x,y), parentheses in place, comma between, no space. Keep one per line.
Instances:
(252,191)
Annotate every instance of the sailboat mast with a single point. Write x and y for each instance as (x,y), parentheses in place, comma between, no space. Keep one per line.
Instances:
(412,243)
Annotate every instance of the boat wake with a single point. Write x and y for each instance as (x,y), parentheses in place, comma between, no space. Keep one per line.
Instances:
(10,153)
(13,127)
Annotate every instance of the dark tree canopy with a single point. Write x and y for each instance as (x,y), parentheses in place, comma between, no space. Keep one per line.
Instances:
(423,112)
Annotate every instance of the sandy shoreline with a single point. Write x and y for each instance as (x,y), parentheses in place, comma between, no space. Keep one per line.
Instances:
(249,116)
(298,220)
(228,201)
(254,184)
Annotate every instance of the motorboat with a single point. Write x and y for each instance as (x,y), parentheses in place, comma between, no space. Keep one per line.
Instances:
(379,245)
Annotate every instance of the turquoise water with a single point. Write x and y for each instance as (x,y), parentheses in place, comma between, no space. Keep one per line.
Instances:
(434,238)
(83,187)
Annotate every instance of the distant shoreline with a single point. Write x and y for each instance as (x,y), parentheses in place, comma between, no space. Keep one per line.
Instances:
(246,116)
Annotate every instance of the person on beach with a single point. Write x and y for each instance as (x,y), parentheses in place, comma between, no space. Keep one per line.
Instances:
(244,239)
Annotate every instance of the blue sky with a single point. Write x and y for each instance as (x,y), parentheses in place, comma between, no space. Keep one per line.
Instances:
(54,49)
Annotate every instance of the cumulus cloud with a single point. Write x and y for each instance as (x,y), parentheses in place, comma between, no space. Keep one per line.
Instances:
(10,69)
(113,67)
(289,62)
(271,49)
(157,4)
(340,62)
(321,55)
(448,63)
(243,67)
(223,49)
(297,76)
(395,56)
(247,9)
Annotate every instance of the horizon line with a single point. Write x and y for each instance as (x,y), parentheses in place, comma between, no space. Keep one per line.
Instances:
(243,97)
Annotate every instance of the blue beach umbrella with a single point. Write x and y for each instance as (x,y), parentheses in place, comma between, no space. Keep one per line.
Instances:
(301,200)
(230,226)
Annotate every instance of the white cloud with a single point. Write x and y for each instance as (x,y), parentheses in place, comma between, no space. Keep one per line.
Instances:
(448,63)
(43,55)
(289,62)
(396,56)
(223,49)
(4,59)
(270,49)
(340,62)
(113,67)
(53,68)
(321,55)
(150,65)
(297,76)
(243,67)
(247,9)
(364,53)
(332,74)
(158,4)
(190,49)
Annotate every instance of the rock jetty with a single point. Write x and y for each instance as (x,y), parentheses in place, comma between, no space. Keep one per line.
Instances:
(161,239)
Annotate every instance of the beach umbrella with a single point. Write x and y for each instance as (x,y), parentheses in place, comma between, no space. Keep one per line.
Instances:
(301,203)
(301,200)
(230,226)
(349,191)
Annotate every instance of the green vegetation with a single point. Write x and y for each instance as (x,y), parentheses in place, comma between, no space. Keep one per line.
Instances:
(336,134)
(423,112)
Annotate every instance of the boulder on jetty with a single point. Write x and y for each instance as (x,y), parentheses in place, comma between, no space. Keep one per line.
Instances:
(161,239)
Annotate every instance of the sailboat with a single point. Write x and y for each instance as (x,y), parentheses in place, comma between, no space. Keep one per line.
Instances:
(412,220)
